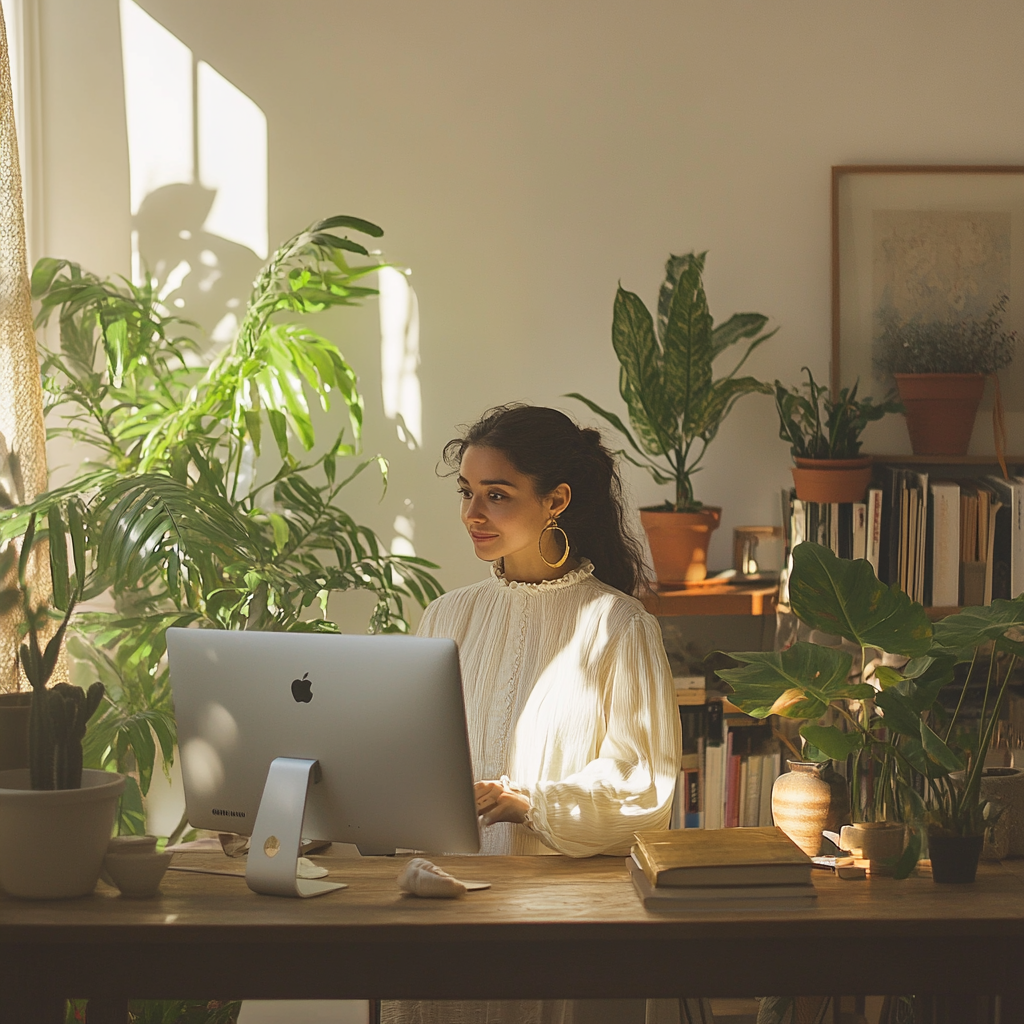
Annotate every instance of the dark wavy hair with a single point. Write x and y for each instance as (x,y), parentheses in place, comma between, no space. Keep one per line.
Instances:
(549,448)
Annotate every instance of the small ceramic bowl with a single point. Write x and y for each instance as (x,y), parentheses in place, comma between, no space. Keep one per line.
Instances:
(137,875)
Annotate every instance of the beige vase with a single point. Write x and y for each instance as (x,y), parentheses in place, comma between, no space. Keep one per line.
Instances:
(808,799)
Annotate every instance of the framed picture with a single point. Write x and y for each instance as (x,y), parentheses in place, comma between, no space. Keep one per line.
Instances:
(928,243)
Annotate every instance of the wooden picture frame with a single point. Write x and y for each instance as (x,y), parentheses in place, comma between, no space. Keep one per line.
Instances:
(920,238)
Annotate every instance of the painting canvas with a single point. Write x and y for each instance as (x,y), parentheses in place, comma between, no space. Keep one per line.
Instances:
(926,245)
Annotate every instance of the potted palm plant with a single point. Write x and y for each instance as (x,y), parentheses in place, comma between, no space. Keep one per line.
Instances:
(676,405)
(55,816)
(940,368)
(199,503)
(824,438)
(886,720)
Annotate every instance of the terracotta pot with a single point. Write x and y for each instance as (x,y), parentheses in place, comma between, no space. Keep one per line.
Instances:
(940,410)
(679,542)
(808,799)
(831,480)
(14,715)
(954,858)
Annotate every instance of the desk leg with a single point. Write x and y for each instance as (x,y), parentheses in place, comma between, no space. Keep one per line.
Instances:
(107,1011)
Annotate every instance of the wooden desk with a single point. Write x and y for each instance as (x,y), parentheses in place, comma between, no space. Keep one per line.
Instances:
(550,927)
(720,599)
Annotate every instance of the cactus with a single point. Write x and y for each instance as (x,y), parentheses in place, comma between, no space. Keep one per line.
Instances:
(59,715)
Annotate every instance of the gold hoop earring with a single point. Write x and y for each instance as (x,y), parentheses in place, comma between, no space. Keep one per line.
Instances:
(553,525)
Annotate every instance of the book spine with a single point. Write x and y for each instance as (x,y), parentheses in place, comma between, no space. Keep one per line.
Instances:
(874,540)
(945,545)
(732,791)
(691,798)
(752,803)
(860,530)
(764,815)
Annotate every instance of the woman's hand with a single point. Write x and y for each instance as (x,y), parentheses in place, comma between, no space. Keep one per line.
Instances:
(496,802)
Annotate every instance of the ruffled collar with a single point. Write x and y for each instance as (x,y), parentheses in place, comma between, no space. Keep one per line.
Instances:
(570,579)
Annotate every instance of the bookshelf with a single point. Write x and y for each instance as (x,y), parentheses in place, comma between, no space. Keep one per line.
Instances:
(713,599)
(946,460)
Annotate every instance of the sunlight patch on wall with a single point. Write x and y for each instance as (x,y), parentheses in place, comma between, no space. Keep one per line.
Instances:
(197,150)
(158,104)
(400,354)
(233,160)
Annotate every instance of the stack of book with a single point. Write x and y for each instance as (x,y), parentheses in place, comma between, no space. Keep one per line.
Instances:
(726,869)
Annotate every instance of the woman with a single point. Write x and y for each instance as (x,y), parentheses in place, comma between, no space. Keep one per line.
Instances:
(570,706)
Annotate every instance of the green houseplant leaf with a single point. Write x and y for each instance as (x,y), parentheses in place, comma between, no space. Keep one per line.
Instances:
(846,599)
(798,682)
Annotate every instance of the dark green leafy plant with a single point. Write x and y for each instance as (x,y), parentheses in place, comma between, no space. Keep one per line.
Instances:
(953,345)
(895,719)
(675,404)
(816,427)
(182,514)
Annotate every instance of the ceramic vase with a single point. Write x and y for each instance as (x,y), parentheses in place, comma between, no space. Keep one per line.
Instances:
(808,799)
(1004,786)
(679,542)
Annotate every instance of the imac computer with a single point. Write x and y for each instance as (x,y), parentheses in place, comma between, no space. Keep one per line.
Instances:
(351,739)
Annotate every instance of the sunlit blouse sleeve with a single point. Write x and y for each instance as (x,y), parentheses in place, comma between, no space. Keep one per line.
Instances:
(628,786)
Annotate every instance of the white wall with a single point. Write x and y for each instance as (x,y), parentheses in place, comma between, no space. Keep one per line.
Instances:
(525,157)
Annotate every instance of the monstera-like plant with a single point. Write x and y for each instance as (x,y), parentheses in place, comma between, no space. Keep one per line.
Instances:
(868,693)
(676,404)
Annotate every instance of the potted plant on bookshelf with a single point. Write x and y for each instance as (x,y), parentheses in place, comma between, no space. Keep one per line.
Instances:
(824,435)
(56,817)
(676,405)
(889,717)
(940,367)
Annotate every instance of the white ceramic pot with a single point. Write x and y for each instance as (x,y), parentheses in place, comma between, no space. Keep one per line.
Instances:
(53,841)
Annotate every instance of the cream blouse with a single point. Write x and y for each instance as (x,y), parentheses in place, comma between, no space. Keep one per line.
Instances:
(569,697)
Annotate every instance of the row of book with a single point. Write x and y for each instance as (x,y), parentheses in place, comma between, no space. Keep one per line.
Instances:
(727,771)
(944,543)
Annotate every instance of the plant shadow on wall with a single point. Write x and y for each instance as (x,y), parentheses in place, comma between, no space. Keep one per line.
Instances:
(169,517)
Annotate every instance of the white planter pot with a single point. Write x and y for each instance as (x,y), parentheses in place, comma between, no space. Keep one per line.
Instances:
(53,841)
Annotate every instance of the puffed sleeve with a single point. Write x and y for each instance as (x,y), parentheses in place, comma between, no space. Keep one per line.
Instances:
(629,786)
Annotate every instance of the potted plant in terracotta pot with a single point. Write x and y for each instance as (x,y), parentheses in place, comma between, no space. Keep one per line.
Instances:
(940,367)
(56,817)
(676,405)
(824,438)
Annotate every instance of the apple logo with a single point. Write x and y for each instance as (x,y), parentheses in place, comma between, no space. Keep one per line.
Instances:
(302,689)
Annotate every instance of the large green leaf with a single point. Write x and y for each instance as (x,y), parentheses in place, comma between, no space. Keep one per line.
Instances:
(966,630)
(641,380)
(687,349)
(799,682)
(846,599)
(736,328)
(832,741)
